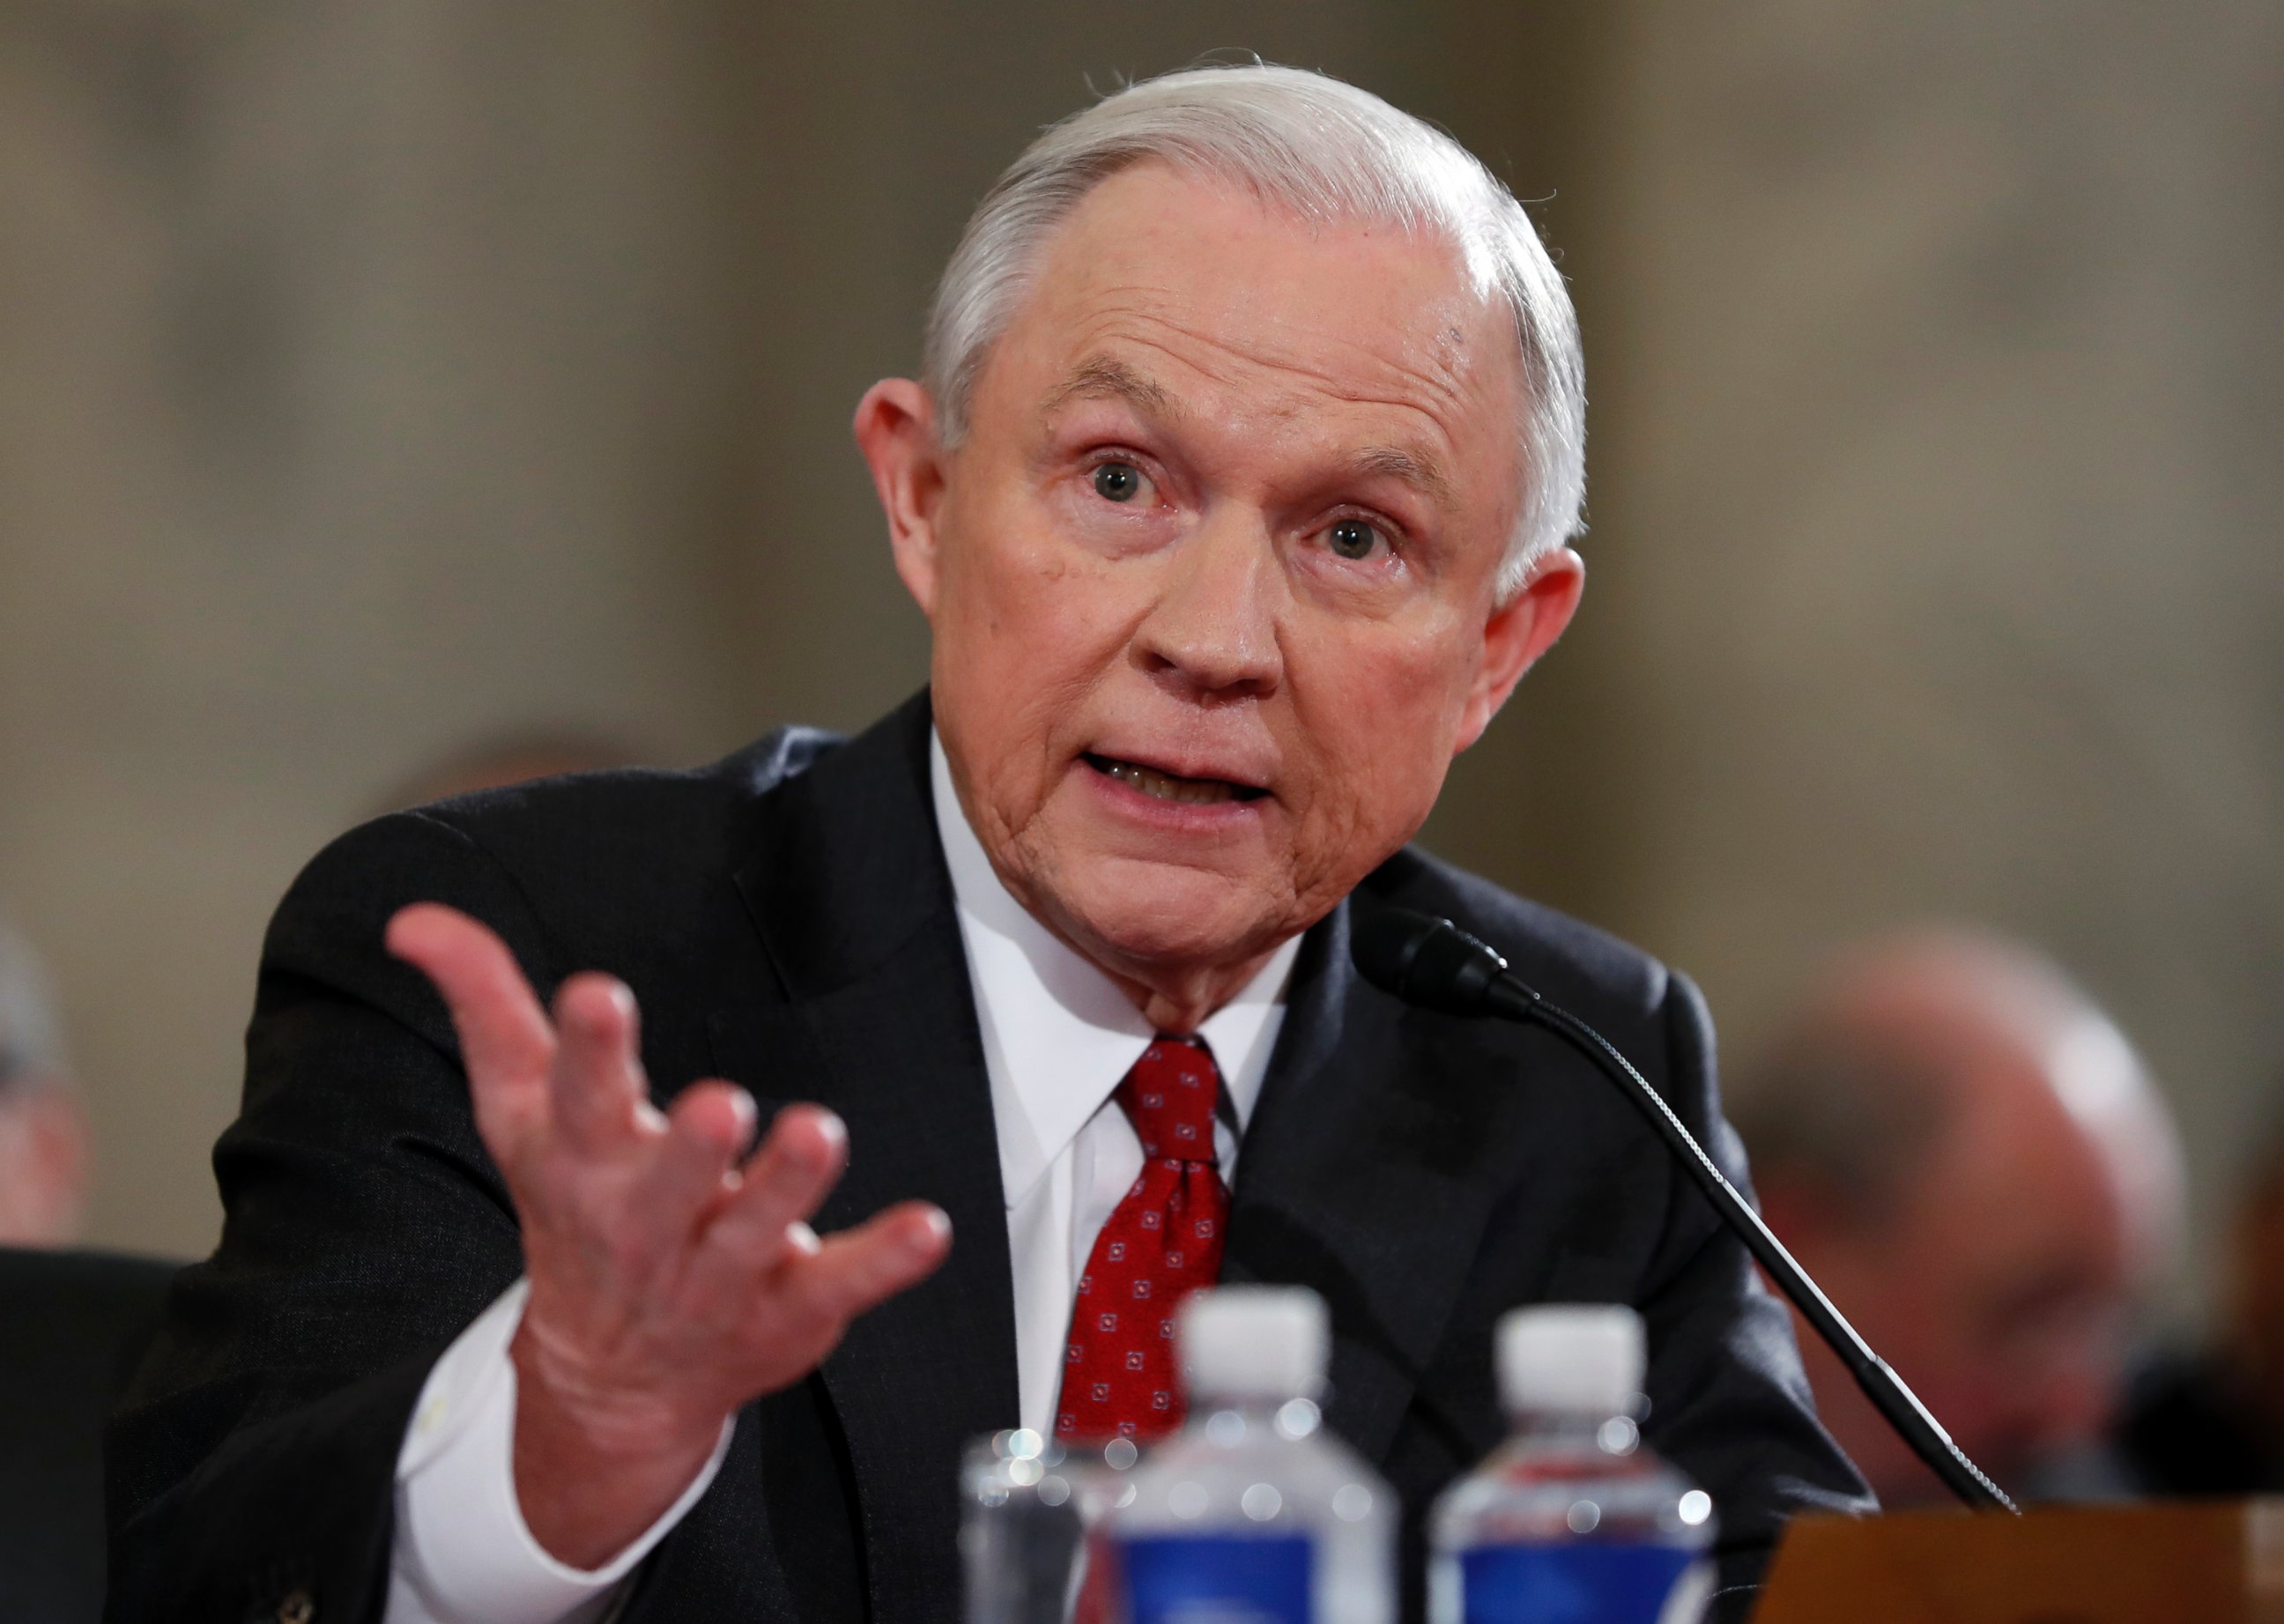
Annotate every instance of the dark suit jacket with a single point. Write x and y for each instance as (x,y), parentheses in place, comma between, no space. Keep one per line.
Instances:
(72,1327)
(785,920)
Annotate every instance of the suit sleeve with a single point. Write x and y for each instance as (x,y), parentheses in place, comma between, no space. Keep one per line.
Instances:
(253,1458)
(1729,1403)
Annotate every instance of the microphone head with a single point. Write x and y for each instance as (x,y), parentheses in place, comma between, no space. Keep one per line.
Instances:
(1427,961)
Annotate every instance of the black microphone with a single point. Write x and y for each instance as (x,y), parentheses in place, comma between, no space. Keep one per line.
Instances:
(1434,963)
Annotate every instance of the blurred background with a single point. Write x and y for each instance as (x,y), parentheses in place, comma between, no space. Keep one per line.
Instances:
(377,380)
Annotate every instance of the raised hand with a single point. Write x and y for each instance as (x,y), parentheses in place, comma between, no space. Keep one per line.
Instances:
(668,1285)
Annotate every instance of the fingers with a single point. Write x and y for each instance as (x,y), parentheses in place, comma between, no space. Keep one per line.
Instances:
(565,1109)
(858,1270)
(596,1083)
(505,1038)
(706,1131)
(582,1076)
(785,1183)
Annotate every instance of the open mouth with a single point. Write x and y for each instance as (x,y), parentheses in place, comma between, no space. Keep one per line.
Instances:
(1171,786)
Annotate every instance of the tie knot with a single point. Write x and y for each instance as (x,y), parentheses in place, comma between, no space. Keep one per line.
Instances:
(1170,1098)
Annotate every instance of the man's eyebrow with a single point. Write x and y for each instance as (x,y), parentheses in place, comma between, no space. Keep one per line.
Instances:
(1102,378)
(1416,468)
(1106,377)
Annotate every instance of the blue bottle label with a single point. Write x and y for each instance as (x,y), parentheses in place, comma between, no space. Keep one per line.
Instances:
(1585,1583)
(1217,1581)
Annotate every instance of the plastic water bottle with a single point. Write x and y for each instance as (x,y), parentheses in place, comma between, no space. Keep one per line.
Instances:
(1253,1514)
(1574,1520)
(1027,1502)
(1020,1529)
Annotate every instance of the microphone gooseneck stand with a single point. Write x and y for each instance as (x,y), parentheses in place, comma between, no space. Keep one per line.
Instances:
(1434,963)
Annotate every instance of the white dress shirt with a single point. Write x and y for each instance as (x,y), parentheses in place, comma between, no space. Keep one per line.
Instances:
(1058,1036)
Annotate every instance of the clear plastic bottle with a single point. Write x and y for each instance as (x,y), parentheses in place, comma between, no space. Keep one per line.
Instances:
(1574,1520)
(1253,1510)
(1019,1528)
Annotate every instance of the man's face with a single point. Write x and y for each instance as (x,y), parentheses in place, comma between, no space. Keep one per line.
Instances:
(1212,577)
(1999,1286)
(2017,1246)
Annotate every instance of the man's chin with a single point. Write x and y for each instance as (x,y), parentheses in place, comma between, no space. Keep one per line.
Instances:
(1172,919)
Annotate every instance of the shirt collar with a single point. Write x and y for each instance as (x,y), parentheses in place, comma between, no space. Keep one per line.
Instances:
(1058,1033)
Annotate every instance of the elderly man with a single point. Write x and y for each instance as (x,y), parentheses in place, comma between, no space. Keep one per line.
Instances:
(1236,497)
(1967,1155)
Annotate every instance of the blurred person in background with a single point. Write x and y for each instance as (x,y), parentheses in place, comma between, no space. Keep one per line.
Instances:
(1967,1155)
(44,1150)
(2211,1421)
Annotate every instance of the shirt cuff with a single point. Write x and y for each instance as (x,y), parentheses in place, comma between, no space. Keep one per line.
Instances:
(462,1553)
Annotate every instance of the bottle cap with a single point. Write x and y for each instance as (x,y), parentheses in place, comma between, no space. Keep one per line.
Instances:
(1264,1342)
(1576,1358)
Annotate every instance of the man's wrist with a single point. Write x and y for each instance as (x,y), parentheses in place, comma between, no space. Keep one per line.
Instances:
(594,1468)
(463,1552)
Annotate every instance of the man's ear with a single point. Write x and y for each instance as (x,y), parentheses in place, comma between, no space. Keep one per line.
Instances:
(895,430)
(1519,631)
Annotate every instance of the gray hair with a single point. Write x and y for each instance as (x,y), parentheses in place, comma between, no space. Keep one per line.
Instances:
(31,1045)
(1326,151)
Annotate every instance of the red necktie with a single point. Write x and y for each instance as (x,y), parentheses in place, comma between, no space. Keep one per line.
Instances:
(1161,1242)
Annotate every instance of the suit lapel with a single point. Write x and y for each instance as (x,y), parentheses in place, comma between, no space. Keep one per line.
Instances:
(848,889)
(1365,1176)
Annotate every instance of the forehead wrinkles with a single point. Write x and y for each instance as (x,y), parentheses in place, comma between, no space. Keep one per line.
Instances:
(1277,368)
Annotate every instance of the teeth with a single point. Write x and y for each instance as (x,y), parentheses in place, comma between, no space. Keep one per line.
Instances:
(1165,786)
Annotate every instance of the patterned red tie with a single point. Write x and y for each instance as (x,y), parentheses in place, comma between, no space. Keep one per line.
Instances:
(1161,1242)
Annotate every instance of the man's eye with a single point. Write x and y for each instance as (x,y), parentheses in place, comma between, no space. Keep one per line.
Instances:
(1354,538)
(1117,481)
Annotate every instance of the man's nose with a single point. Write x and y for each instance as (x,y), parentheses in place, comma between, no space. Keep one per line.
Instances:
(1212,629)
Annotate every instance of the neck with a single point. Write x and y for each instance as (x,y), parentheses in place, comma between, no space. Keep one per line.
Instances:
(1178,1002)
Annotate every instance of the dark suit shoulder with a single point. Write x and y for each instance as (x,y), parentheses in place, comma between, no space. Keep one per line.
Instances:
(1654,1015)
(587,869)
(686,815)
(1585,970)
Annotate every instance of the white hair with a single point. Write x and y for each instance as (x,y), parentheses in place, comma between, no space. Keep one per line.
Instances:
(31,1047)
(1326,150)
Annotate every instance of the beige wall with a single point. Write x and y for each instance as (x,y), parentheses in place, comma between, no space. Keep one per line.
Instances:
(1942,506)
(345,408)
(375,377)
